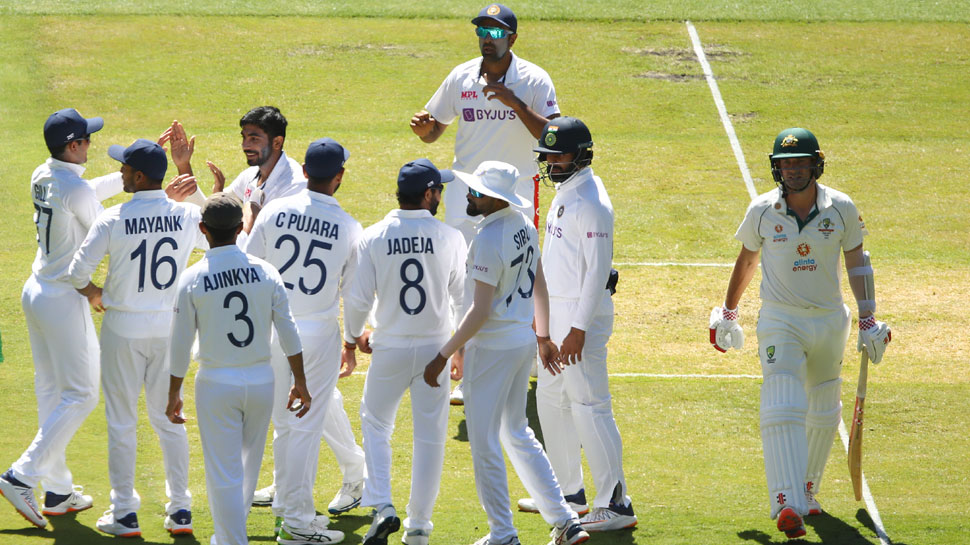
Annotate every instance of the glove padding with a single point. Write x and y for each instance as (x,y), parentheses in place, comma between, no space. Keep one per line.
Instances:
(725,332)
(874,336)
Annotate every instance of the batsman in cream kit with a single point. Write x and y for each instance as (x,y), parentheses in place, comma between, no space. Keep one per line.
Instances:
(799,229)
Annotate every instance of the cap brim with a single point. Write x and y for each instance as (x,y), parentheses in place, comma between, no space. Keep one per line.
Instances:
(447,175)
(95,124)
(545,150)
(792,155)
(475,182)
(484,18)
(117,152)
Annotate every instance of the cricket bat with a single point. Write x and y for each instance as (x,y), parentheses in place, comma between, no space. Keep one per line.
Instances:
(855,434)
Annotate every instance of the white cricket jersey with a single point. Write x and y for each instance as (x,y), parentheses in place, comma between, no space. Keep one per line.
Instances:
(488,129)
(285,179)
(577,253)
(233,300)
(800,267)
(313,243)
(414,264)
(65,207)
(150,239)
(504,254)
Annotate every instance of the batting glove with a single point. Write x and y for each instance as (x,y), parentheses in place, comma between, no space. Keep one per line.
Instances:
(874,336)
(726,333)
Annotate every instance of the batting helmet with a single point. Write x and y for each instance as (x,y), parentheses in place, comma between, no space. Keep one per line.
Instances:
(793,143)
(564,135)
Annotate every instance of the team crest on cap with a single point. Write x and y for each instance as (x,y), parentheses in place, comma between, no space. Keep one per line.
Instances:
(789,142)
(493,10)
(550,138)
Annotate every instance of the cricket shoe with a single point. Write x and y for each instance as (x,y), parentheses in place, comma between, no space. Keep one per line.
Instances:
(487,540)
(614,517)
(347,498)
(791,523)
(316,532)
(457,397)
(577,502)
(570,533)
(415,537)
(264,496)
(179,523)
(385,523)
(61,504)
(126,526)
(22,498)
(814,507)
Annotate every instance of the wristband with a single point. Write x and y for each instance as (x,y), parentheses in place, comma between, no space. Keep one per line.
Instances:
(350,346)
(729,314)
(867,323)
(866,305)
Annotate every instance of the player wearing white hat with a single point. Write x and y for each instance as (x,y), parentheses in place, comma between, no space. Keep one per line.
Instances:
(575,408)
(150,240)
(233,300)
(272,175)
(799,229)
(413,264)
(312,241)
(506,289)
(62,335)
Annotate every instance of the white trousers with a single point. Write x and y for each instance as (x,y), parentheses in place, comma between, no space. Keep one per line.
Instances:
(233,407)
(296,441)
(126,365)
(576,411)
(392,372)
(496,384)
(65,351)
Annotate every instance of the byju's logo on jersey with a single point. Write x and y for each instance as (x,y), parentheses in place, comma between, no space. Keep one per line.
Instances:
(477,114)
(826,227)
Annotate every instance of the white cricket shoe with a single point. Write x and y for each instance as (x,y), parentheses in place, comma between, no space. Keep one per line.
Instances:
(577,502)
(487,540)
(570,533)
(126,526)
(22,498)
(347,498)
(179,523)
(614,517)
(415,537)
(316,532)
(58,504)
(457,397)
(384,524)
(264,496)
(814,507)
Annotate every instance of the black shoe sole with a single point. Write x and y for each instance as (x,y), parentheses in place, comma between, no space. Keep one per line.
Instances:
(387,527)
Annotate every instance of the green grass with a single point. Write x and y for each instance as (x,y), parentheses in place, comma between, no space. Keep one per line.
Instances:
(886,99)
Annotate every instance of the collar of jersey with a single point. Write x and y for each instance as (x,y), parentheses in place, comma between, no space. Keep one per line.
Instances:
(495,216)
(73,167)
(399,213)
(575,180)
(220,250)
(282,165)
(822,200)
(317,196)
(511,75)
(149,194)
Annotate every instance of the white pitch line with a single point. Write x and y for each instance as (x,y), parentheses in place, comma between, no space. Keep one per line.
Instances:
(693,375)
(719,102)
(866,494)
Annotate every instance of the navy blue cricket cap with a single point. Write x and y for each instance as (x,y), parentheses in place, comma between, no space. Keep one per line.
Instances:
(143,155)
(222,211)
(497,12)
(67,125)
(324,158)
(421,174)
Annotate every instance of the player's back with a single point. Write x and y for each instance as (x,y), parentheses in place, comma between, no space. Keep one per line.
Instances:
(65,206)
(412,260)
(311,240)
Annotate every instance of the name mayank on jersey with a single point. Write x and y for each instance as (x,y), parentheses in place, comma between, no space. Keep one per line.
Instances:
(153,224)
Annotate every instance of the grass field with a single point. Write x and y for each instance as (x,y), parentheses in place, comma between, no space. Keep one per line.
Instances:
(882,84)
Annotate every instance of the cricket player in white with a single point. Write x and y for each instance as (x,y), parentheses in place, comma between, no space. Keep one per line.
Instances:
(272,175)
(414,264)
(233,300)
(799,229)
(62,335)
(575,408)
(507,289)
(312,241)
(150,240)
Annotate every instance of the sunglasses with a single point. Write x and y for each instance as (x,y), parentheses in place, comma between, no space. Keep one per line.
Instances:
(494,33)
(475,194)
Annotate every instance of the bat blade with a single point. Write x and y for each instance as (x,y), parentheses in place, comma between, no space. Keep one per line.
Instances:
(855,433)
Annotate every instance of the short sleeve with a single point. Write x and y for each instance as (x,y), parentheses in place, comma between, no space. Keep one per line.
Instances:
(442,103)
(544,97)
(486,263)
(748,232)
(855,228)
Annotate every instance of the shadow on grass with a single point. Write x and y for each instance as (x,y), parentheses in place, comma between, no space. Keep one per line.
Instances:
(530,412)
(830,531)
(66,530)
(619,537)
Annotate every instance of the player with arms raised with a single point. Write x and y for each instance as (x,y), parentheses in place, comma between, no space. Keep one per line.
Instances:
(799,229)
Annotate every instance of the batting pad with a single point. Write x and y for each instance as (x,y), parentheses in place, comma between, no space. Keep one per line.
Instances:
(783,409)
(824,415)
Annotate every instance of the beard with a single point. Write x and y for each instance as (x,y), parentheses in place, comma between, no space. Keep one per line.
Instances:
(262,156)
(497,52)
(472,210)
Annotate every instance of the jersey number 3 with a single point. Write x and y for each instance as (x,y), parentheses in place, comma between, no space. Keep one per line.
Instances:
(241,317)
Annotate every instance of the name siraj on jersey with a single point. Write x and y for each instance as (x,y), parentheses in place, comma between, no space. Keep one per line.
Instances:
(232,277)
(410,245)
(308,224)
(154,224)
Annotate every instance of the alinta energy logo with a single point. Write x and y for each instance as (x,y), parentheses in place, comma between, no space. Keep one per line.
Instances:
(806,263)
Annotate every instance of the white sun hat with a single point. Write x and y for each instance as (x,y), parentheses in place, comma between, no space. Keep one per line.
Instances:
(495,179)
